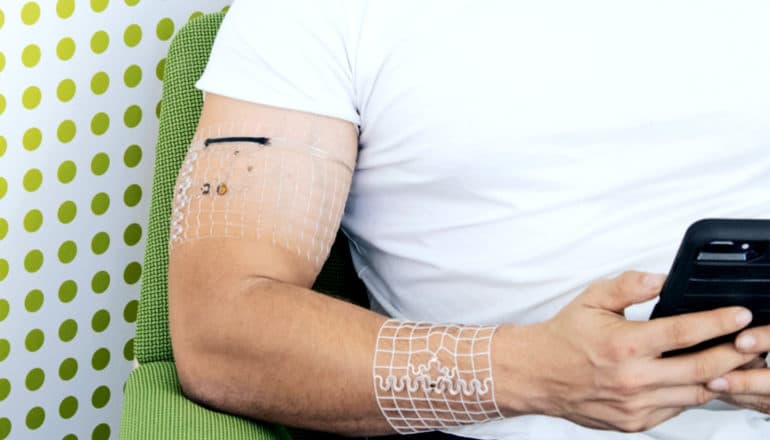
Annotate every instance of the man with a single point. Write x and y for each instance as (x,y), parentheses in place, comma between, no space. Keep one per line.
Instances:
(521,170)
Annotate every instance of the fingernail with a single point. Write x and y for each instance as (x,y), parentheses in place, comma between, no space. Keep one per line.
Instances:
(718,384)
(653,280)
(743,317)
(746,342)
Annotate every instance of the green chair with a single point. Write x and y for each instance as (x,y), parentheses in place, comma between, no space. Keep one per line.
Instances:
(154,407)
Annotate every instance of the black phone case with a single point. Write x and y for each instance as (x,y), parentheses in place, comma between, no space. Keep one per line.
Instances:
(697,283)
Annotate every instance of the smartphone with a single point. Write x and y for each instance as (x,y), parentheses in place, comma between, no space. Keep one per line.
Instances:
(721,262)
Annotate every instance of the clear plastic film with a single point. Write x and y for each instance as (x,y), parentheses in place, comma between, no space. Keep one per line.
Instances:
(279,185)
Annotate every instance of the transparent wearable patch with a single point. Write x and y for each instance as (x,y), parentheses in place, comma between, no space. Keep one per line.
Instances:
(283,185)
(431,376)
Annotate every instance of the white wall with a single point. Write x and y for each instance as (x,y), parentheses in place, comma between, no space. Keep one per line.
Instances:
(76,156)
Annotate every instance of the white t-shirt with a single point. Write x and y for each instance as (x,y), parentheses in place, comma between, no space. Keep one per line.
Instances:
(511,152)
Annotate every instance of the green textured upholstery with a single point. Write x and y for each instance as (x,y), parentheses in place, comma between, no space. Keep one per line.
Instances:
(154,406)
(155,409)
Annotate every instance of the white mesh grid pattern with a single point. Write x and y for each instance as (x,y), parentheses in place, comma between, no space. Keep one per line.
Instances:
(290,191)
(431,376)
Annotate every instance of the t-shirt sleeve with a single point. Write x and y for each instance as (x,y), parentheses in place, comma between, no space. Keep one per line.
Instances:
(292,54)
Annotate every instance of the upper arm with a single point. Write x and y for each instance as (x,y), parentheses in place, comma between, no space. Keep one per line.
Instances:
(244,209)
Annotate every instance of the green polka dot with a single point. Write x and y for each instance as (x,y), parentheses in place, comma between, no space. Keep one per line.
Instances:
(100,163)
(132,195)
(101,432)
(132,156)
(67,211)
(132,2)
(133,116)
(34,300)
(34,340)
(100,123)
(32,139)
(5,389)
(67,251)
(68,369)
(100,243)
(129,312)
(132,273)
(33,261)
(100,397)
(32,180)
(3,145)
(68,330)
(128,350)
(68,291)
(132,35)
(68,407)
(65,8)
(132,76)
(160,69)
(3,187)
(132,234)
(5,308)
(30,13)
(34,379)
(100,82)
(100,359)
(70,437)
(3,269)
(5,424)
(31,97)
(100,321)
(165,29)
(100,282)
(65,49)
(195,15)
(65,91)
(100,41)
(99,5)
(158,108)
(67,171)
(30,56)
(33,220)
(66,131)
(3,228)
(2,104)
(35,418)
(5,349)
(2,18)
(100,203)
(2,61)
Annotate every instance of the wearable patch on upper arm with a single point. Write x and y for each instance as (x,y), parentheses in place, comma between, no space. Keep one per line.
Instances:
(431,376)
(264,184)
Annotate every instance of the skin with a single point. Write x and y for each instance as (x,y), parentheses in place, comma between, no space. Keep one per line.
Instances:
(251,338)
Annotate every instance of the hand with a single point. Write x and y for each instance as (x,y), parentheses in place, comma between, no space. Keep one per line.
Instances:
(590,365)
(749,386)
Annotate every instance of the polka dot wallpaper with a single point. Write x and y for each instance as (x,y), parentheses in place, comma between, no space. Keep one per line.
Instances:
(80,85)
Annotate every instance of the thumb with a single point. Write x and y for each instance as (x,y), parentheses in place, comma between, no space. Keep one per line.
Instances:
(625,290)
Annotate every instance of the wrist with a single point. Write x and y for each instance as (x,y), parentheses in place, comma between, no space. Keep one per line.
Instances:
(518,375)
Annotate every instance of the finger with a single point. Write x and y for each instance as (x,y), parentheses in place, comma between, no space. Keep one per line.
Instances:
(751,401)
(743,382)
(755,340)
(698,368)
(682,331)
(626,289)
(679,396)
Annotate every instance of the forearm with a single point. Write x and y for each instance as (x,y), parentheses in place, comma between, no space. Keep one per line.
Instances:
(277,352)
